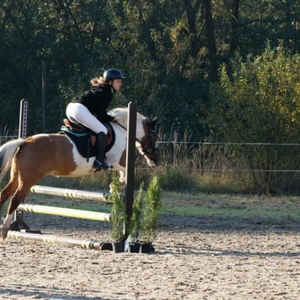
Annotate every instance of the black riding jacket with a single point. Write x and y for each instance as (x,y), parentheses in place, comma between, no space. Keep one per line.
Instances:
(97,100)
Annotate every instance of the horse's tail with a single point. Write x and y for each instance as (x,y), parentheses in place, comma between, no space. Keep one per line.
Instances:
(7,152)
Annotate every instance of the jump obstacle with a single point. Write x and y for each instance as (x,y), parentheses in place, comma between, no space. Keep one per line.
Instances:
(21,229)
(67,212)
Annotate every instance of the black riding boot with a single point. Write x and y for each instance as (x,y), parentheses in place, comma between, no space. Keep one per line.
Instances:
(99,162)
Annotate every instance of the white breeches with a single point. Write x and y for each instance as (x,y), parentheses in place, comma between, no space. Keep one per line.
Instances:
(76,112)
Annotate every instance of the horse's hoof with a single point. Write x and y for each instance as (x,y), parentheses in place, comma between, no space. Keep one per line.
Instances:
(3,232)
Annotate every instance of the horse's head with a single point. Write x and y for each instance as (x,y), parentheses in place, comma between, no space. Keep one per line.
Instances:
(147,144)
(146,135)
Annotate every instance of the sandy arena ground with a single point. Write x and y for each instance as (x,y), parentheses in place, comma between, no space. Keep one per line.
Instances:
(195,258)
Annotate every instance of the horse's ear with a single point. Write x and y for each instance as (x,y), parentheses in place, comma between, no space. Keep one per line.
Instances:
(153,121)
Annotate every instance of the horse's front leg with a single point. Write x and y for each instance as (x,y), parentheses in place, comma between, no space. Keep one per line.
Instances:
(121,181)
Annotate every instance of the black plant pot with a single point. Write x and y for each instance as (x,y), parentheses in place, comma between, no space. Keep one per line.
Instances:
(146,248)
(118,247)
(134,247)
(106,246)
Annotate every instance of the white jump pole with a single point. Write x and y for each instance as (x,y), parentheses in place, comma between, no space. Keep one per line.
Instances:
(65,212)
(70,193)
(51,239)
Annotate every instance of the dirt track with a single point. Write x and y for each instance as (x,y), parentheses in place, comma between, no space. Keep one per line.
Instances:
(195,258)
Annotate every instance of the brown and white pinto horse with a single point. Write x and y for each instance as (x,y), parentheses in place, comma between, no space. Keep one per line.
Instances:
(40,155)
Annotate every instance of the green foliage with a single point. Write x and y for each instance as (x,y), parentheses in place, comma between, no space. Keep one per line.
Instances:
(118,211)
(162,47)
(152,207)
(145,210)
(179,179)
(259,103)
(136,218)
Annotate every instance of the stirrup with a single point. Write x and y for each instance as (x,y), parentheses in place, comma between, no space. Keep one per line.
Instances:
(98,165)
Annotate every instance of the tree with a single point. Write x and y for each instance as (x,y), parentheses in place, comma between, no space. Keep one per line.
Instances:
(258,103)
(169,51)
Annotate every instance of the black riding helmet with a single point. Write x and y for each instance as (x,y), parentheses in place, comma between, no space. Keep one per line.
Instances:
(112,74)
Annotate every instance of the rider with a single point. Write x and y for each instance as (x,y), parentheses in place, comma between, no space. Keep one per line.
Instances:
(89,109)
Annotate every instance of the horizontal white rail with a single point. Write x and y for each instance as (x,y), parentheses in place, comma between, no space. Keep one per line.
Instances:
(76,194)
(65,212)
(54,239)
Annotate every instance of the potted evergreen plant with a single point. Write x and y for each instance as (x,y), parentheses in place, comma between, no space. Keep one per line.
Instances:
(117,217)
(151,208)
(144,220)
(135,222)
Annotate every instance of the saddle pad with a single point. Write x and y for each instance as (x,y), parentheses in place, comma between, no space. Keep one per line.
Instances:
(83,142)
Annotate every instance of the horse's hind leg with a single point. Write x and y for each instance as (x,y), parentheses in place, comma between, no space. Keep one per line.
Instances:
(12,185)
(8,191)
(19,187)
(15,201)
(21,180)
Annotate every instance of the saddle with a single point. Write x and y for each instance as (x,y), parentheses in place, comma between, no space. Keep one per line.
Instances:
(85,139)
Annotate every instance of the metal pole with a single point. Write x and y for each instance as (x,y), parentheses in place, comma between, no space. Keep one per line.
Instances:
(18,222)
(130,163)
(23,118)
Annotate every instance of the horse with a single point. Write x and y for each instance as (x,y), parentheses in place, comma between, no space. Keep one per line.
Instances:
(55,154)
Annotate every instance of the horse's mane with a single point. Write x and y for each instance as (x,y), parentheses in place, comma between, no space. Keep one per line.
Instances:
(121,113)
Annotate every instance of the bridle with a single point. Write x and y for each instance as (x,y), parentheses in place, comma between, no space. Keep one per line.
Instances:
(143,145)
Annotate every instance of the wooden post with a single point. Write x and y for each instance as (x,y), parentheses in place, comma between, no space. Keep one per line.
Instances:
(130,163)
(44,94)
